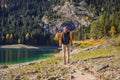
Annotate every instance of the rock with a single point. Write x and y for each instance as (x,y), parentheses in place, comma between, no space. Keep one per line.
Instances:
(72,77)
(117,66)
(68,10)
(39,77)
(12,75)
(35,71)
(18,77)
(118,78)
(28,72)
(52,78)
(32,72)
(82,73)
(3,76)
(74,62)
(99,67)
(82,3)
(84,69)
(76,45)
(32,63)
(112,74)
(55,9)
(3,66)
(108,74)
(61,78)
(45,19)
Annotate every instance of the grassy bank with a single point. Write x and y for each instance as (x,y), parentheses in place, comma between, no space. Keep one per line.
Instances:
(99,52)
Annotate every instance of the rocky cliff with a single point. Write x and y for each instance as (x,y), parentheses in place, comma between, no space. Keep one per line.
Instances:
(79,13)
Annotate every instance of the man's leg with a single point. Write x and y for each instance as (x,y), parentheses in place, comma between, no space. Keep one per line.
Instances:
(68,52)
(64,52)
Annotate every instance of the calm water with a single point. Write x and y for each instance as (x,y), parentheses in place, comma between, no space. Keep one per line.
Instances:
(11,56)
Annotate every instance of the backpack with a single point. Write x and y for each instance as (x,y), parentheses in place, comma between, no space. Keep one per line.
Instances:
(66,38)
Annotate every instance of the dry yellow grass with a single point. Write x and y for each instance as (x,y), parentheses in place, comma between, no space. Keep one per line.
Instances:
(91,42)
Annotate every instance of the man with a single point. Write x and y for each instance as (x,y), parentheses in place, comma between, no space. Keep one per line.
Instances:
(65,39)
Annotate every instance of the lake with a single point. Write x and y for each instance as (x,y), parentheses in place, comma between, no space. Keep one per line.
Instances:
(13,56)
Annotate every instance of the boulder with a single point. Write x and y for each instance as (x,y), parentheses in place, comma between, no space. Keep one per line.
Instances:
(32,63)
(117,78)
(52,78)
(97,68)
(3,67)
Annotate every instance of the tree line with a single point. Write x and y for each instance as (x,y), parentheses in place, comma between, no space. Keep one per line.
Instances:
(105,23)
(21,20)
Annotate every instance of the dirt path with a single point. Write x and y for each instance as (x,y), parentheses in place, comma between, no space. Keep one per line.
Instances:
(79,75)
(83,76)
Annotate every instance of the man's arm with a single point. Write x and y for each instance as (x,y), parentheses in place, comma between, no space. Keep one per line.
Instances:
(58,37)
(71,41)
(74,30)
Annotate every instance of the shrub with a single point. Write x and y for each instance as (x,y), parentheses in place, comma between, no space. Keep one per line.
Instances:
(116,41)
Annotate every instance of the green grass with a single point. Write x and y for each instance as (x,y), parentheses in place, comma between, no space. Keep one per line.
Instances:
(99,52)
(106,79)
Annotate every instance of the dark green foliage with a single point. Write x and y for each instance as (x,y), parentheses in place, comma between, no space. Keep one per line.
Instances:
(101,27)
(82,33)
(19,17)
(107,13)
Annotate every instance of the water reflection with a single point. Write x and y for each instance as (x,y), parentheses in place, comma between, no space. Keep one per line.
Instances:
(9,56)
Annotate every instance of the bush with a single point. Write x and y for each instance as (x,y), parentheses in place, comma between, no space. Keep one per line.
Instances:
(116,41)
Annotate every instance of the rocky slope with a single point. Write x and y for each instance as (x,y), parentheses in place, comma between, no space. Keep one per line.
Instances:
(78,13)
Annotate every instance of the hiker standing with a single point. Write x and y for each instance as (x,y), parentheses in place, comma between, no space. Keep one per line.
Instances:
(65,42)
(65,38)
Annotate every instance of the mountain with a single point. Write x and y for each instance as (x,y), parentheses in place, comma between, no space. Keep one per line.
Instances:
(33,21)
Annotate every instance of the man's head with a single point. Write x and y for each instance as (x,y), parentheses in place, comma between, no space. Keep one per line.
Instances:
(65,29)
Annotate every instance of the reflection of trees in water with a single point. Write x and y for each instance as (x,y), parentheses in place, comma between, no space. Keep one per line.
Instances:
(26,55)
(18,56)
(9,56)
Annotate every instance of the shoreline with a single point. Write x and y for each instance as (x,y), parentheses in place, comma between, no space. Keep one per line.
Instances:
(18,46)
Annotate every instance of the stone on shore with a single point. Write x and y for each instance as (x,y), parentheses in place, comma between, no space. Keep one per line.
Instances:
(97,68)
